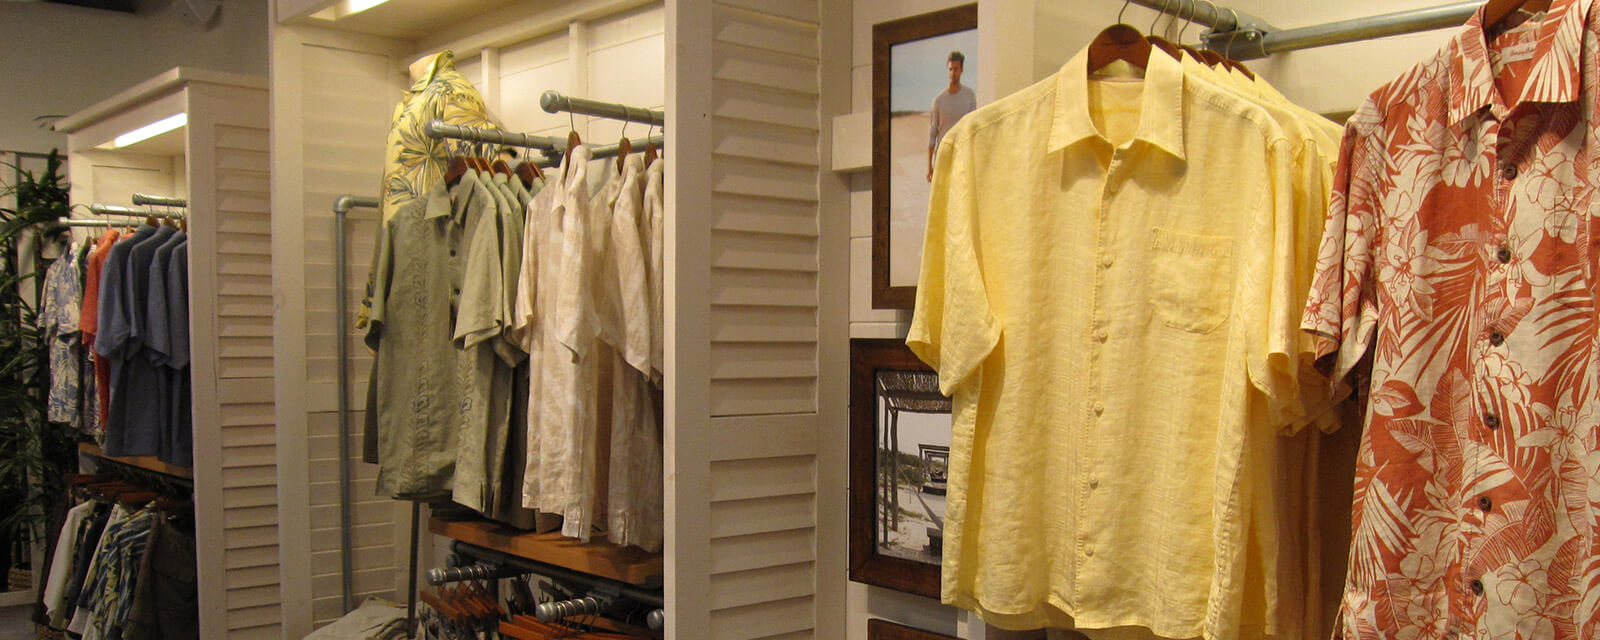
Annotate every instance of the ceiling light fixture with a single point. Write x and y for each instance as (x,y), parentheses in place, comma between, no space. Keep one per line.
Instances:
(146,132)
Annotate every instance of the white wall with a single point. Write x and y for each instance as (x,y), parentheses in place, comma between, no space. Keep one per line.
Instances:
(1022,41)
(60,59)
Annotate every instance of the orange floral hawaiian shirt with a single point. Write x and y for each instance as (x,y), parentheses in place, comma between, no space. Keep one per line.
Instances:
(1457,277)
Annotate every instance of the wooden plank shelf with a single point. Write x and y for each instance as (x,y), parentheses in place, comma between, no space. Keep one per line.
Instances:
(150,463)
(597,557)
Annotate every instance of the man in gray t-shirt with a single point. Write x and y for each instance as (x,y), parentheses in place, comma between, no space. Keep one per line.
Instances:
(955,101)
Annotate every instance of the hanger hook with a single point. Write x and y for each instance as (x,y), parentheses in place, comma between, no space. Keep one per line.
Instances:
(1159,14)
(626,118)
(1187,22)
(1124,8)
(1234,33)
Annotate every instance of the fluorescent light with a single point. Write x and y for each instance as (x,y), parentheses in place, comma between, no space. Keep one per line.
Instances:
(357,6)
(148,131)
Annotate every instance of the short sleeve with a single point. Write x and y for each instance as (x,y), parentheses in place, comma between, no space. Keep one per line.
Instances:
(382,274)
(953,327)
(1341,309)
(478,315)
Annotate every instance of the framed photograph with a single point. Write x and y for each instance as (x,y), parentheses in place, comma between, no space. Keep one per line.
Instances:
(899,467)
(884,630)
(922,83)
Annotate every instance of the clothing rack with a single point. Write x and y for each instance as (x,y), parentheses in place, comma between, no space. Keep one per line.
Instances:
(86,222)
(130,212)
(607,150)
(554,102)
(341,207)
(1242,36)
(439,130)
(656,618)
(159,201)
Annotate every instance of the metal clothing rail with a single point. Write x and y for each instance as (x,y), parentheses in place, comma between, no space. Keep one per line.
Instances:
(554,102)
(1242,36)
(130,212)
(159,201)
(656,618)
(439,130)
(341,207)
(607,150)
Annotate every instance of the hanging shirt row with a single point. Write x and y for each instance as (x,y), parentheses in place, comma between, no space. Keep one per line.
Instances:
(516,327)
(122,572)
(115,314)
(1149,290)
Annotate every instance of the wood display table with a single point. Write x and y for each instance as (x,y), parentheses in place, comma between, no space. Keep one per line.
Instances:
(599,558)
(150,463)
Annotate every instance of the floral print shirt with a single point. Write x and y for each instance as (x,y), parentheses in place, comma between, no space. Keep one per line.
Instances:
(58,323)
(1457,279)
(413,162)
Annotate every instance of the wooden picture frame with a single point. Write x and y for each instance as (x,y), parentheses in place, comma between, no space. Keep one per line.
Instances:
(878,629)
(893,287)
(896,507)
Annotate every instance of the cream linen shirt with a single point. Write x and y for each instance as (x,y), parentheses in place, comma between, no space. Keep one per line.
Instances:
(1096,266)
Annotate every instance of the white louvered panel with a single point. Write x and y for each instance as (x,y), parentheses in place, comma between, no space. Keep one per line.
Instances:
(254,327)
(364,511)
(249,265)
(736,360)
(763,478)
(762,515)
(244,244)
(764,619)
(253,596)
(741,139)
(746,250)
(246,414)
(255,160)
(271,631)
(360,488)
(741,438)
(244,286)
(743,588)
(244,306)
(244,435)
(247,348)
(802,11)
(252,577)
(746,65)
(251,617)
(251,537)
(366,579)
(239,200)
(759,31)
(251,496)
(245,557)
(365,535)
(764,324)
(733,100)
(246,516)
(756,551)
(763,397)
(249,476)
(327,562)
(742,213)
(242,138)
(764,285)
(772,180)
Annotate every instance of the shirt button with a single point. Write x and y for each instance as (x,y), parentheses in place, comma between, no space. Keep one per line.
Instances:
(452,253)
(1491,421)
(1094,482)
(1496,338)
(1100,335)
(1509,172)
(1105,261)
(1477,587)
(1088,550)
(1099,408)
(1503,254)
(1484,503)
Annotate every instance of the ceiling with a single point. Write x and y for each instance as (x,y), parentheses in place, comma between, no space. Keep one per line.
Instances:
(406,18)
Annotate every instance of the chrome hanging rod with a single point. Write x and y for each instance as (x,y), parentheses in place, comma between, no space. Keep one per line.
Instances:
(94,223)
(114,210)
(438,130)
(1242,36)
(554,102)
(347,544)
(609,150)
(159,201)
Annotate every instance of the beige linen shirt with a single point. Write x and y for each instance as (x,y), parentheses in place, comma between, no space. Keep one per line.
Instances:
(1097,261)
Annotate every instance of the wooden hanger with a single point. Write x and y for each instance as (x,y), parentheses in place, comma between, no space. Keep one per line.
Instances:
(566,161)
(1119,42)
(624,147)
(527,171)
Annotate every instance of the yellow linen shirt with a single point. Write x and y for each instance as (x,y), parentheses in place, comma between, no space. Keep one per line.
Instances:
(1096,259)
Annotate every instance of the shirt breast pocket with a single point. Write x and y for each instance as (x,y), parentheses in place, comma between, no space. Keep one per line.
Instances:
(1191,279)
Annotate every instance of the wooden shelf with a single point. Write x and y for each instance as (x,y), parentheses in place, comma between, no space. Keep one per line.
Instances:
(151,463)
(626,564)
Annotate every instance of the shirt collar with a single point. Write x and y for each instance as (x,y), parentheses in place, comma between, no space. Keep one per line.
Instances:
(442,61)
(1554,69)
(1160,108)
(438,200)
